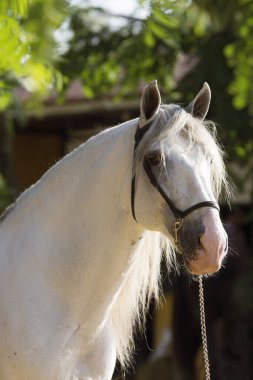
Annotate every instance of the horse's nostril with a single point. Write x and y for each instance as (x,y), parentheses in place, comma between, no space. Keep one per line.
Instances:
(199,242)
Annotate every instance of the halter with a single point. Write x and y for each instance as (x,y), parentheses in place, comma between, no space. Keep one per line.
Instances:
(179,214)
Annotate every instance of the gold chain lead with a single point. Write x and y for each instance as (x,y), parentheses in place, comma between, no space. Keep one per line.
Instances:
(203,327)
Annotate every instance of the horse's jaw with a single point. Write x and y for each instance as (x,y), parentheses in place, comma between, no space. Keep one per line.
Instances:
(212,247)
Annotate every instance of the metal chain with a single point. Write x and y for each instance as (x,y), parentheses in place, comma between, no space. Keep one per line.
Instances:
(203,327)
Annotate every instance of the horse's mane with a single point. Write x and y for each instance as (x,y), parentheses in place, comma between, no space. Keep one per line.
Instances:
(143,276)
(142,284)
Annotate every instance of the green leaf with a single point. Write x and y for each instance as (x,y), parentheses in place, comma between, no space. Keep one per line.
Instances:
(163,34)
(167,20)
(148,38)
(16,8)
(157,29)
(229,50)
(5,100)
(88,92)
(240,151)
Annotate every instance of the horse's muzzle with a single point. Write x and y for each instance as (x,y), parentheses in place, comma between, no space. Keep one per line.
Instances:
(204,244)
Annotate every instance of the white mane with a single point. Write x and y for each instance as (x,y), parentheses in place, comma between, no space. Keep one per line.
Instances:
(141,286)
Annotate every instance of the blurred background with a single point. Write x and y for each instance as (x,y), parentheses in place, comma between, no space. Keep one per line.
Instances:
(70,68)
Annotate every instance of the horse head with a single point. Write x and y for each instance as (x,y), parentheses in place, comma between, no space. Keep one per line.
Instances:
(178,174)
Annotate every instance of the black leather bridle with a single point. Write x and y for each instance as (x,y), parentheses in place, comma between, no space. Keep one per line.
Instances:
(179,214)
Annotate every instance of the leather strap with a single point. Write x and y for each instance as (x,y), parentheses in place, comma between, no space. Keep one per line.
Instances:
(179,214)
(140,132)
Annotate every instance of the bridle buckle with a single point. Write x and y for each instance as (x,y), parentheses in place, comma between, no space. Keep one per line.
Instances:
(177,227)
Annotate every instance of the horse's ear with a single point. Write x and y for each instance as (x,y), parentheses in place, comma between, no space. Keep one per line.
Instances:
(200,104)
(150,102)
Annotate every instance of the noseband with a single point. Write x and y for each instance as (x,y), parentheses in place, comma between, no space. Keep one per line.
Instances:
(179,214)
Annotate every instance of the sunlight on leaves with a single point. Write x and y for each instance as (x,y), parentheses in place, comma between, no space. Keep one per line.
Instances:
(15,8)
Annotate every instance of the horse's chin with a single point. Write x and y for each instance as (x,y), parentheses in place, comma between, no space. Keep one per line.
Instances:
(203,263)
(197,271)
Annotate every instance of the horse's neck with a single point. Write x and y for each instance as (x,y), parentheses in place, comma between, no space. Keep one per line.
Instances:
(79,221)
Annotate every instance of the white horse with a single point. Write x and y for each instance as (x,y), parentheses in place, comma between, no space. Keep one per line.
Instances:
(80,250)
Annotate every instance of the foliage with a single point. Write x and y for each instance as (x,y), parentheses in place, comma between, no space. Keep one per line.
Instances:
(225,53)
(28,45)
(240,55)
(110,60)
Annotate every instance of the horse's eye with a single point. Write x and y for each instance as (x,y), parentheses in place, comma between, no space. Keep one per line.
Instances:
(154,158)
